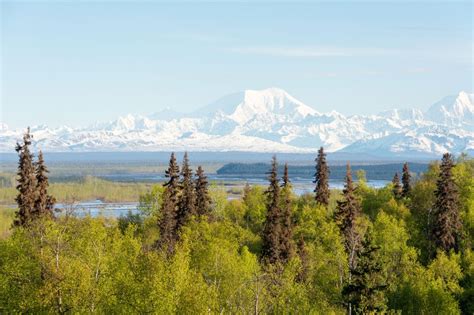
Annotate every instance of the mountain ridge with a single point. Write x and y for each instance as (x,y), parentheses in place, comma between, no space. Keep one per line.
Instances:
(270,120)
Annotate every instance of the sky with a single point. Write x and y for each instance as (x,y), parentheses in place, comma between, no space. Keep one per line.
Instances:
(65,63)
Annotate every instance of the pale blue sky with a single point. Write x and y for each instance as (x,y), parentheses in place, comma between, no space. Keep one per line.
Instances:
(75,63)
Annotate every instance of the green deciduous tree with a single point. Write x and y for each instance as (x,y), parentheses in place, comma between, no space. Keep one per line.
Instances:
(254,201)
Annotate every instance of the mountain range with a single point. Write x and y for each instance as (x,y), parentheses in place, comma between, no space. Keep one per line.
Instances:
(271,120)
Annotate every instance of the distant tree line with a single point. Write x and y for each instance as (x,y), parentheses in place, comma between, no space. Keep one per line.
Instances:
(337,172)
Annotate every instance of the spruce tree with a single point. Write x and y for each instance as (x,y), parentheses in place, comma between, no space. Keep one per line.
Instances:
(287,245)
(321,179)
(272,229)
(347,211)
(397,188)
(187,200)
(26,187)
(406,181)
(168,221)
(447,222)
(44,202)
(202,193)
(364,293)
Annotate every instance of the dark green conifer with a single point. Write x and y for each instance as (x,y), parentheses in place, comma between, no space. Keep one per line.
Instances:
(406,181)
(321,179)
(397,188)
(272,229)
(168,221)
(26,187)
(364,293)
(202,193)
(447,223)
(347,211)
(44,202)
(287,245)
(187,200)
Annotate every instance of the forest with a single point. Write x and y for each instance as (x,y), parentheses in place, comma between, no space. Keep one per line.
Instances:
(406,248)
(336,172)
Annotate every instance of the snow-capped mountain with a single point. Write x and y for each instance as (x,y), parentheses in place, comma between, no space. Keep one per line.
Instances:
(454,111)
(270,120)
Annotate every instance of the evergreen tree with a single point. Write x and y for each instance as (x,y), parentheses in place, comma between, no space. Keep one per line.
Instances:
(287,245)
(26,187)
(406,181)
(321,179)
(202,193)
(364,293)
(187,200)
(447,222)
(44,202)
(397,188)
(168,221)
(347,211)
(272,229)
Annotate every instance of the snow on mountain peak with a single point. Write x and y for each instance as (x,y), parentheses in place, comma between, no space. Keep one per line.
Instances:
(455,110)
(464,104)
(270,120)
(271,101)
(124,123)
(403,114)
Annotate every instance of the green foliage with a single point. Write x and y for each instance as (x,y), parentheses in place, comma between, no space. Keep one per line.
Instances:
(399,260)
(151,201)
(364,291)
(463,174)
(99,265)
(374,199)
(326,255)
(467,283)
(255,208)
(430,290)
(6,220)
(220,254)
(421,202)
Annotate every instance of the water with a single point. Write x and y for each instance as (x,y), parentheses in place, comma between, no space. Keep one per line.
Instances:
(96,208)
(235,179)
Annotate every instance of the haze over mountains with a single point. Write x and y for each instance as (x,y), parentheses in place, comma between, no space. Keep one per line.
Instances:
(271,120)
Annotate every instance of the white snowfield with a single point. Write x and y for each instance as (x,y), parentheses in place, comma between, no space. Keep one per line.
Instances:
(270,120)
